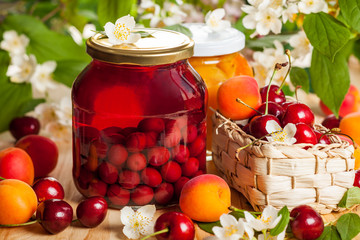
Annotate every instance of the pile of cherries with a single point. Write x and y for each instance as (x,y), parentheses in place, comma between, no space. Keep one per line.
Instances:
(283,112)
(139,165)
(55,215)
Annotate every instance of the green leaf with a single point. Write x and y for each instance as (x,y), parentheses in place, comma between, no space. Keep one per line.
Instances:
(13,96)
(111,10)
(350,198)
(44,43)
(356,49)
(299,77)
(66,71)
(329,233)
(180,28)
(326,34)
(265,42)
(348,225)
(330,80)
(350,10)
(30,105)
(281,226)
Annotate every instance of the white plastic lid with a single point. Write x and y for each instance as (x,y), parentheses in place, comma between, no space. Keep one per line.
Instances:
(210,43)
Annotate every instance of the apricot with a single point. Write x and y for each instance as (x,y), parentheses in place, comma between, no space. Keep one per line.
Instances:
(350,125)
(18,201)
(357,158)
(205,197)
(351,103)
(244,87)
(43,152)
(15,163)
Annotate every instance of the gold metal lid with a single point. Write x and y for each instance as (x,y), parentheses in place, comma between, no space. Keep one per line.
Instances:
(164,47)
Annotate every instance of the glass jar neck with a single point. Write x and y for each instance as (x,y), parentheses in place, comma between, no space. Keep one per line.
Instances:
(99,63)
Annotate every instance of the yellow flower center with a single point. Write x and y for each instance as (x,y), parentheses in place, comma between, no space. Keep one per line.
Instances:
(279,136)
(230,230)
(121,32)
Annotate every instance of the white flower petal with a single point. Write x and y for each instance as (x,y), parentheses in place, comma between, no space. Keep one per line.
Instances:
(268,212)
(134,37)
(147,229)
(147,211)
(227,220)
(127,213)
(219,232)
(249,230)
(249,217)
(274,222)
(272,126)
(49,66)
(218,13)
(262,28)
(249,22)
(128,20)
(290,129)
(276,26)
(131,232)
(281,235)
(212,238)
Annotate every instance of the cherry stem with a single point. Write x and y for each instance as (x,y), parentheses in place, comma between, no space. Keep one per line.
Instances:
(287,52)
(242,102)
(277,67)
(156,233)
(75,220)
(18,224)
(296,95)
(2,178)
(232,208)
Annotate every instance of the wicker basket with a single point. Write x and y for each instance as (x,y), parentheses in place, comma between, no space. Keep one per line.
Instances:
(277,174)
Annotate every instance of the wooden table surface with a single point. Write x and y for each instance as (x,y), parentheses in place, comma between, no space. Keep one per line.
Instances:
(111,228)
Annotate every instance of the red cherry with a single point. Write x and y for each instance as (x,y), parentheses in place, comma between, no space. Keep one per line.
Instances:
(151,139)
(189,133)
(54,215)
(285,105)
(157,156)
(171,171)
(136,142)
(136,162)
(273,109)
(331,121)
(151,124)
(246,128)
(357,179)
(180,227)
(190,167)
(129,130)
(117,155)
(92,211)
(180,153)
(97,188)
(298,113)
(100,148)
(304,134)
(23,126)
(108,172)
(306,223)
(273,96)
(179,185)
(151,177)
(258,125)
(85,177)
(129,179)
(172,135)
(118,195)
(142,195)
(197,146)
(323,139)
(48,188)
(113,135)
(164,193)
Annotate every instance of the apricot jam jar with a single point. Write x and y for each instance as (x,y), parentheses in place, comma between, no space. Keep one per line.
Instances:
(139,120)
(217,58)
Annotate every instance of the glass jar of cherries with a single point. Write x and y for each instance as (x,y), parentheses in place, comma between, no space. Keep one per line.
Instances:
(217,58)
(139,120)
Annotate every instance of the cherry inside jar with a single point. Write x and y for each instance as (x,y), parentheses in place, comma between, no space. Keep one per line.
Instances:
(139,130)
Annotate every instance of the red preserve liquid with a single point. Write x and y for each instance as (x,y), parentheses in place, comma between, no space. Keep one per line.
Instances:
(139,131)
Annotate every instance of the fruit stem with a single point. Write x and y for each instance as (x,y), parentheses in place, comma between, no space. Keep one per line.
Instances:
(242,102)
(277,67)
(156,233)
(75,220)
(232,208)
(336,131)
(2,178)
(18,224)
(287,52)
(296,95)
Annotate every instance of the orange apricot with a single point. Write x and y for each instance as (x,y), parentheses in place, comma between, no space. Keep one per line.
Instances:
(350,126)
(18,201)
(205,198)
(357,158)
(244,87)
(15,163)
